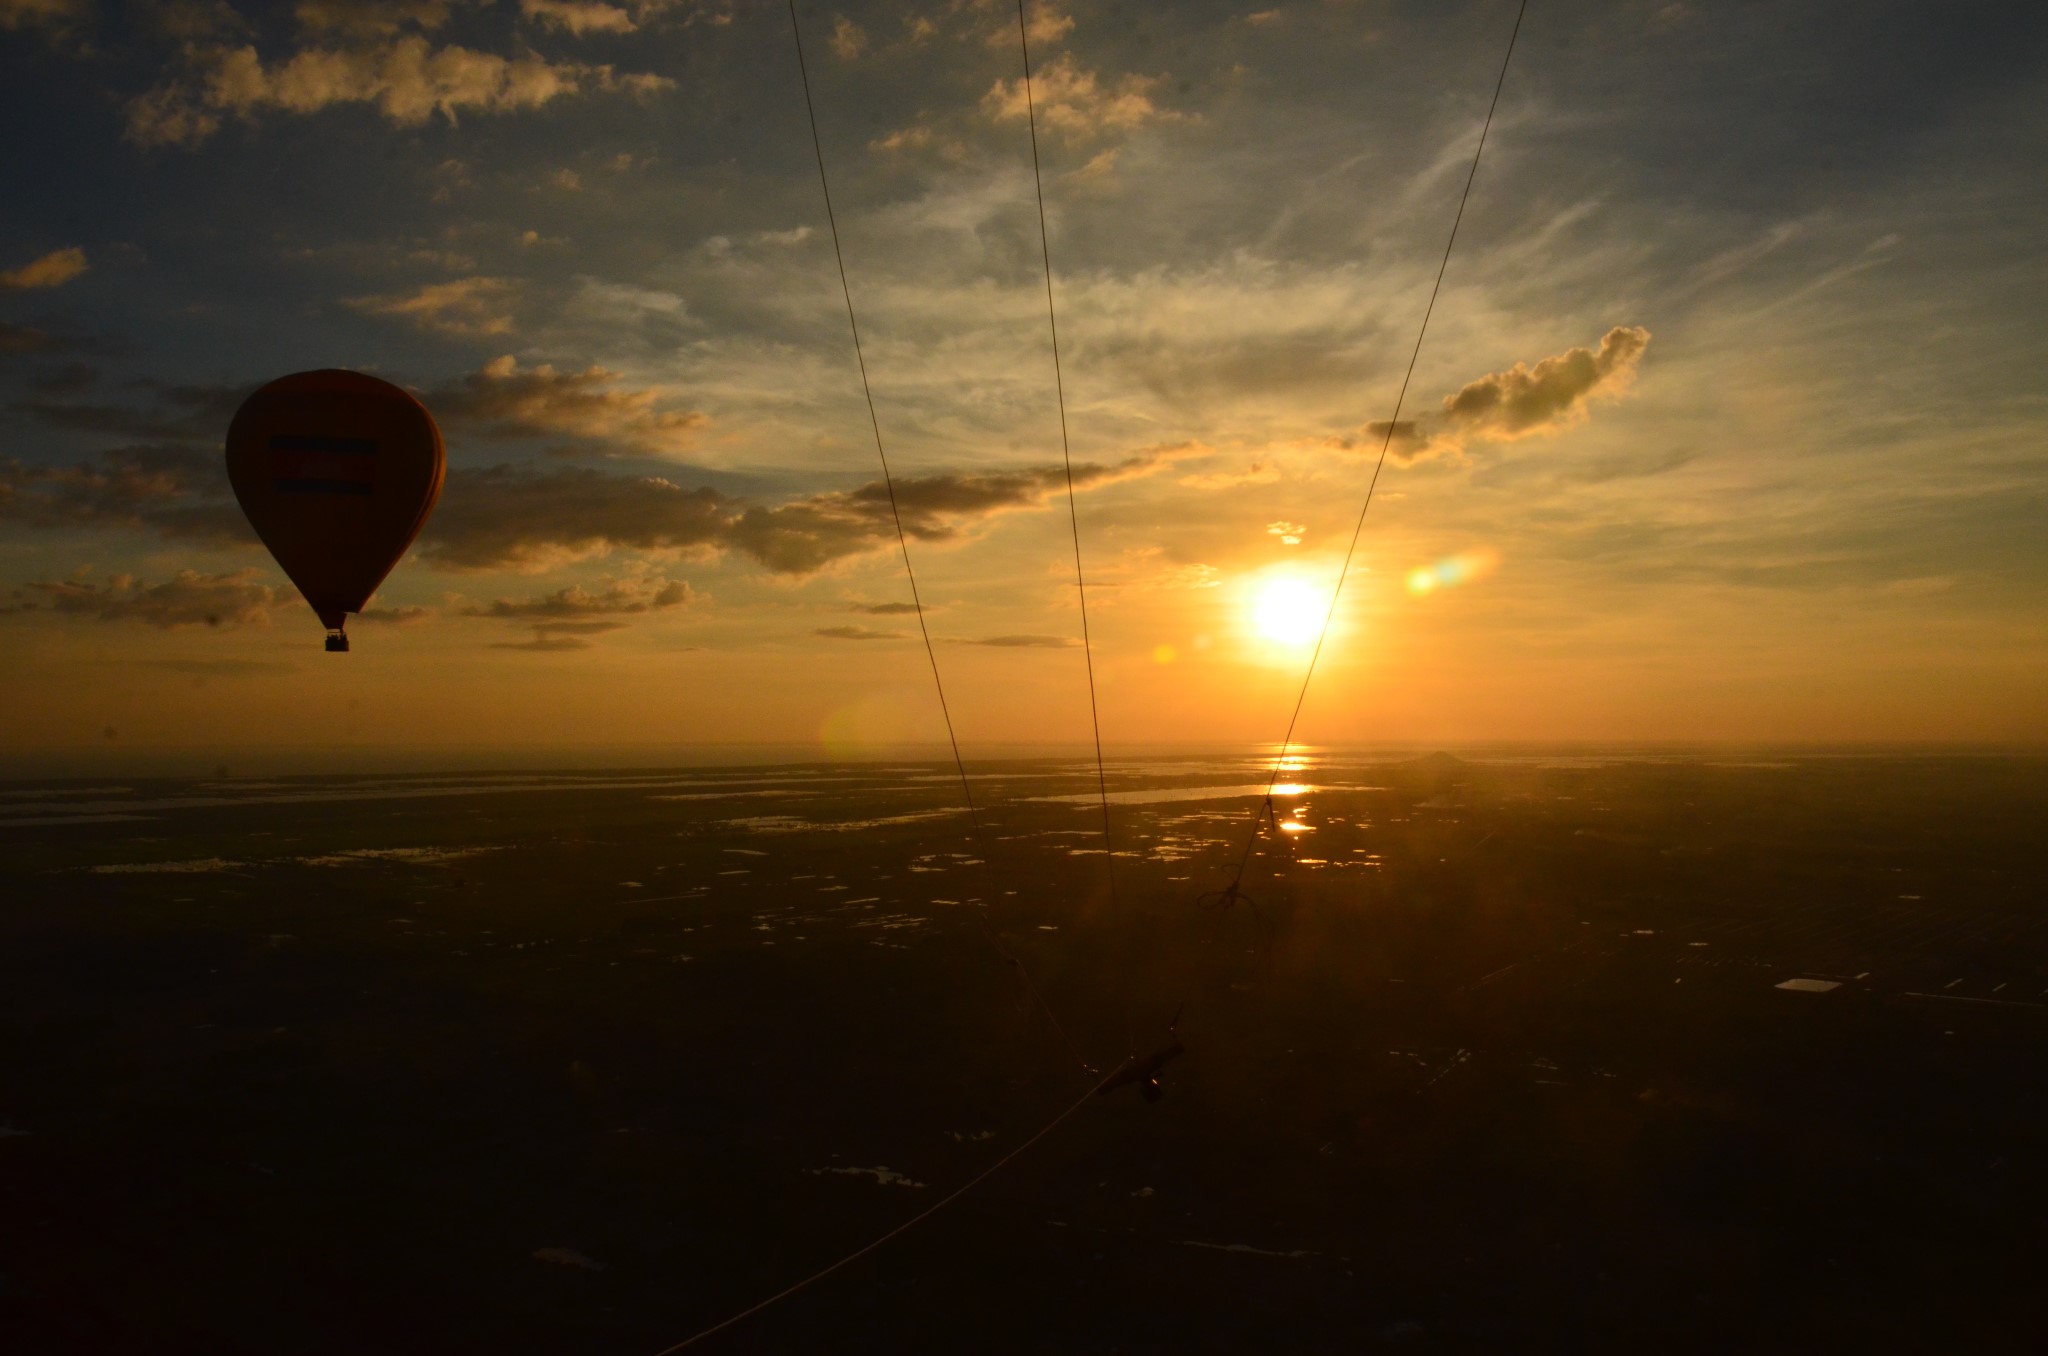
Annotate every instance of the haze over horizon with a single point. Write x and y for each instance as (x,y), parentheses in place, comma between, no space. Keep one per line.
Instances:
(1728,427)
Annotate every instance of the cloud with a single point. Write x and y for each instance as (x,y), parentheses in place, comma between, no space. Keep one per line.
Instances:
(554,637)
(407,79)
(370,18)
(1022,642)
(1074,101)
(1290,534)
(808,534)
(186,599)
(467,307)
(182,412)
(578,16)
(510,517)
(1045,25)
(217,668)
(22,339)
(518,518)
(1524,401)
(856,633)
(636,594)
(849,40)
(39,13)
(395,616)
(1262,472)
(180,492)
(503,401)
(52,270)
(886,609)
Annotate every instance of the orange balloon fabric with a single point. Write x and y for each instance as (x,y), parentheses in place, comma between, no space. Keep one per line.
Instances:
(337,472)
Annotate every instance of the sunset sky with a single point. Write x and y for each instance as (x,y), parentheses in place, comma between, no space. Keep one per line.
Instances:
(1731,423)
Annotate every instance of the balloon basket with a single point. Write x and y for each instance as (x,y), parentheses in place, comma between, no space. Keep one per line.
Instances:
(337,643)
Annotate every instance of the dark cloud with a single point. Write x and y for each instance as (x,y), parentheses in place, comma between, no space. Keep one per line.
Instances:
(395,616)
(886,609)
(519,518)
(856,633)
(1022,642)
(503,401)
(553,637)
(176,412)
(522,518)
(646,593)
(177,491)
(188,598)
(217,668)
(22,339)
(502,517)
(1524,401)
(69,380)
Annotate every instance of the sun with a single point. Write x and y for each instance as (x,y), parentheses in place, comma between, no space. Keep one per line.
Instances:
(1288,612)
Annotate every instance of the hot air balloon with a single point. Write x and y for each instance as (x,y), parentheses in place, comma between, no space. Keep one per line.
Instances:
(337,473)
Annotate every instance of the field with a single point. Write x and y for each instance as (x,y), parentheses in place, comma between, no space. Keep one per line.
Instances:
(1496,1057)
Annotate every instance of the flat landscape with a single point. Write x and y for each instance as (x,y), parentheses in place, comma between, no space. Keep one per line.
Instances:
(1500,1055)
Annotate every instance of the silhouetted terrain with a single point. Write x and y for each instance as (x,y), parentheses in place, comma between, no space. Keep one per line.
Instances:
(583,1063)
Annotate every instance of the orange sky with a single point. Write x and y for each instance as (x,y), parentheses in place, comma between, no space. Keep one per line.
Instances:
(1727,426)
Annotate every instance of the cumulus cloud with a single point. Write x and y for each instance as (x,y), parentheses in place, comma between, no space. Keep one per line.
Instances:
(177,491)
(469,308)
(1076,102)
(504,401)
(519,518)
(1525,401)
(407,79)
(614,597)
(578,16)
(856,633)
(52,270)
(186,599)
(1045,24)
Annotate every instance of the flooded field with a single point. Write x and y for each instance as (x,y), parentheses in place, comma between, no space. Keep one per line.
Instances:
(1488,1054)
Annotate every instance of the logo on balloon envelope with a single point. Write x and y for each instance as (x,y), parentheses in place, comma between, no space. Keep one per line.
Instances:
(303,463)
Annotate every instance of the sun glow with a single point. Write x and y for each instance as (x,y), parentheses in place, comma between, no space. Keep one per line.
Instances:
(1288,612)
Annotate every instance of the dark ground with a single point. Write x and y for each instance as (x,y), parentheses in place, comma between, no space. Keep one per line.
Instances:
(1497,1064)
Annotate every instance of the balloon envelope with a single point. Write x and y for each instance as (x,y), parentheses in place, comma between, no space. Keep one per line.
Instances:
(337,472)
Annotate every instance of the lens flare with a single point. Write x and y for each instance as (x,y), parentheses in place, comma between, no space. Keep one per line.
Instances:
(1451,571)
